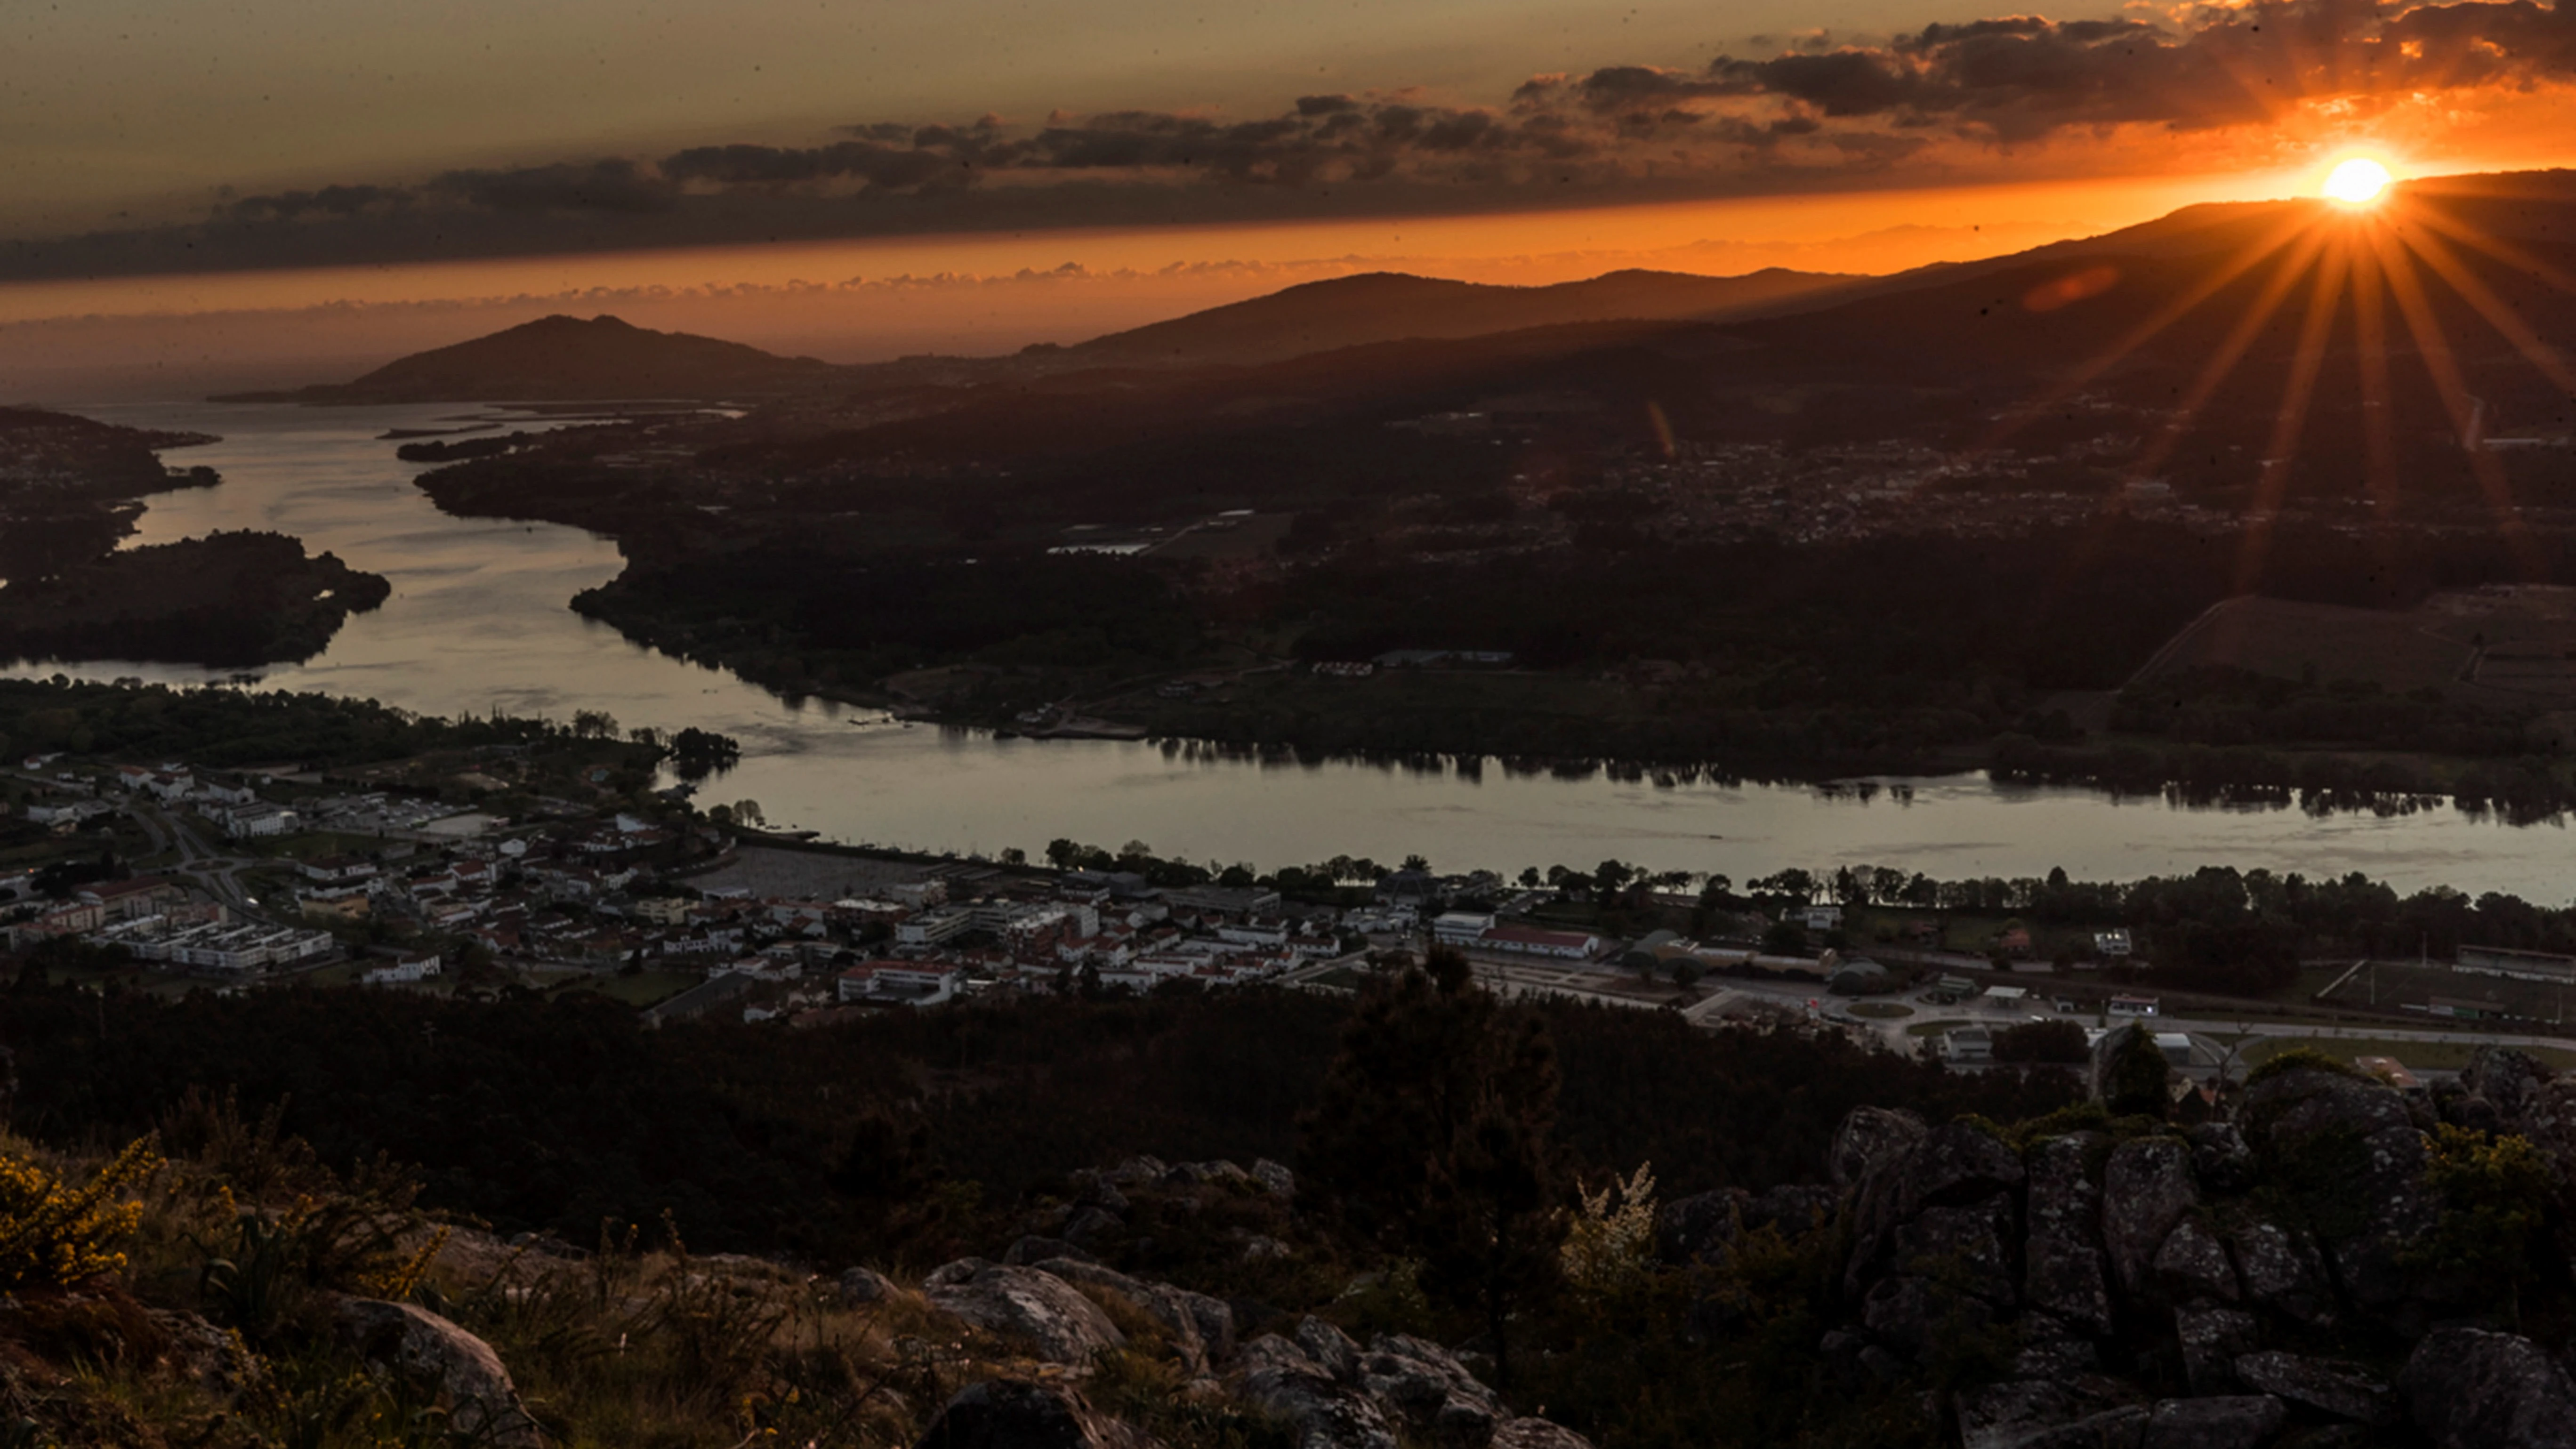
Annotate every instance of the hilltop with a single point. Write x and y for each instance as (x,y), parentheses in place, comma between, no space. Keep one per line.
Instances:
(1395,307)
(567,359)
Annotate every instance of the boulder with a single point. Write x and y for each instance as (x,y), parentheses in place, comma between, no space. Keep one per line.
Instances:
(1094,1189)
(2118,1428)
(1139,1171)
(862,1286)
(2526,1097)
(1014,1414)
(467,1376)
(1536,1434)
(2065,1278)
(2350,1143)
(1869,1135)
(2053,1358)
(2511,1081)
(2239,1421)
(1970,1245)
(2211,1339)
(2147,1187)
(1793,1209)
(1033,1248)
(1060,1324)
(1423,1385)
(1332,1350)
(2192,1265)
(2281,1271)
(1325,1414)
(217,1360)
(1269,1353)
(2468,1387)
(2064,1202)
(1275,1176)
(1188,1317)
(1910,1315)
(2044,1414)
(1956,1163)
(2061,1268)
(1701,1224)
(2220,1157)
(2338,1389)
(1950,1166)
(1089,1225)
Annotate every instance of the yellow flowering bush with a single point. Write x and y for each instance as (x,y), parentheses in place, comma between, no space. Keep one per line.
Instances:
(52,1232)
(1610,1244)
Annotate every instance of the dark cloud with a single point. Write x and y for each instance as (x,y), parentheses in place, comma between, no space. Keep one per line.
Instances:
(2023,77)
(1811,114)
(610,186)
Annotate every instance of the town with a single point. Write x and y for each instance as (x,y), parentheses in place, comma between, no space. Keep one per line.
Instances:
(178,879)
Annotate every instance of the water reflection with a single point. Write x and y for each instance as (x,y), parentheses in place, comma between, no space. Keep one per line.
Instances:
(478,621)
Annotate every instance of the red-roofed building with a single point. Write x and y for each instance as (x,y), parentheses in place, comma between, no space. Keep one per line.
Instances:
(1532,941)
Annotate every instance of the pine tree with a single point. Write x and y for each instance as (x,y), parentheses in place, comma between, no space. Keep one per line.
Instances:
(1433,1139)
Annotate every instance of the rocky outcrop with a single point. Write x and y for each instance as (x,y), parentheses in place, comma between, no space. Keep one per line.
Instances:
(2466,1387)
(1425,1387)
(2062,1270)
(1058,1323)
(2349,1146)
(860,1286)
(1325,1413)
(1013,1414)
(1339,1395)
(2147,1186)
(2241,1421)
(2337,1390)
(1201,1327)
(462,1370)
(1536,1434)
(1866,1137)
(2158,1288)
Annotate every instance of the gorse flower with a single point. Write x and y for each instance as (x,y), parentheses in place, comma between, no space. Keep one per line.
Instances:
(52,1232)
(1611,1242)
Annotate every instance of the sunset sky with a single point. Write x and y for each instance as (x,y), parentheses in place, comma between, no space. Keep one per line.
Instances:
(317,181)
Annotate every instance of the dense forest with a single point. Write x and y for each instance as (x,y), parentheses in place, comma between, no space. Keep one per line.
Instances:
(221,727)
(556,1114)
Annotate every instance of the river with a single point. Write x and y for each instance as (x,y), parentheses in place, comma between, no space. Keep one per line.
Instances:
(478,620)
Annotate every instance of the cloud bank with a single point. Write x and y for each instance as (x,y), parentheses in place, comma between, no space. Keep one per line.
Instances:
(1952,102)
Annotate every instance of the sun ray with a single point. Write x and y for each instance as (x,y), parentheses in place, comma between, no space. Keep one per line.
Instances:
(2232,349)
(2370,356)
(2316,330)
(2450,385)
(2247,258)
(2496,247)
(2473,290)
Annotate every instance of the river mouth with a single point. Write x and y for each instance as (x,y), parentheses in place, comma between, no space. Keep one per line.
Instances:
(479,621)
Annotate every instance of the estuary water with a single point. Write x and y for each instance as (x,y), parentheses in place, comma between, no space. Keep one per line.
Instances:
(478,620)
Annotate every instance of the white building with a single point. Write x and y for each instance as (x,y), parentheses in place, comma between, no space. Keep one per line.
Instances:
(1460,928)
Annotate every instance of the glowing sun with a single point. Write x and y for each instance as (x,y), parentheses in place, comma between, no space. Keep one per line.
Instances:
(2357,182)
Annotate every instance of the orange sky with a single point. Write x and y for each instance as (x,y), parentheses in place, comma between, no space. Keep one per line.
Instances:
(375,180)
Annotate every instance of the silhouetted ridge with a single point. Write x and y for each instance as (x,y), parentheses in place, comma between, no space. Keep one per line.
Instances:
(1395,306)
(562,358)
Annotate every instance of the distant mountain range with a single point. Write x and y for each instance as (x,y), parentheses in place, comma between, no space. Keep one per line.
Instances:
(1395,307)
(1980,330)
(558,359)
(568,359)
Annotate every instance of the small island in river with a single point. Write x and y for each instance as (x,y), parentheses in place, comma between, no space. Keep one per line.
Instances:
(225,600)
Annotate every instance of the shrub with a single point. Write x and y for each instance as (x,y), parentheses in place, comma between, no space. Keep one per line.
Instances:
(52,1233)
(2301,1057)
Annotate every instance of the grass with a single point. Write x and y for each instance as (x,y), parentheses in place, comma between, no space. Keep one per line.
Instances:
(2436,1056)
(1948,1023)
